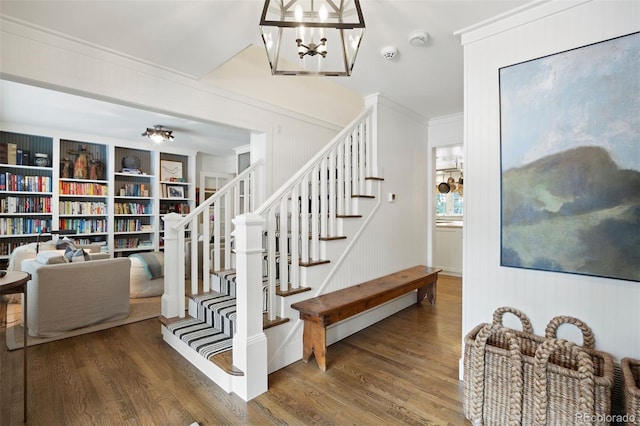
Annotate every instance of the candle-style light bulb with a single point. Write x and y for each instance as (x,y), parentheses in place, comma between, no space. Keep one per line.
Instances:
(324,13)
(298,13)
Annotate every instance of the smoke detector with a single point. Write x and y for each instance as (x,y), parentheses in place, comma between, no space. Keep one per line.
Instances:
(418,38)
(389,52)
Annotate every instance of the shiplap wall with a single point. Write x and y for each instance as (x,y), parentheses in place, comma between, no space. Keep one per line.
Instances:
(396,237)
(611,307)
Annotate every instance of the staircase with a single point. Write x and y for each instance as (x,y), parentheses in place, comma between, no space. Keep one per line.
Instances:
(275,254)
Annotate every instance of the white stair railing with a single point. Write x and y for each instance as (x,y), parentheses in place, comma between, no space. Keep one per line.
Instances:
(291,224)
(238,196)
(304,210)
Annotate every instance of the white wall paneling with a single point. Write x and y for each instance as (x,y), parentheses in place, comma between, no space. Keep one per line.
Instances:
(396,236)
(609,306)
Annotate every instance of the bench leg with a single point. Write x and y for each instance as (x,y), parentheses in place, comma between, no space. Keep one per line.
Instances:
(314,341)
(429,291)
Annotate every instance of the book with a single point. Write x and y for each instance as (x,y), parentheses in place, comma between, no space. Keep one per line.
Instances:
(4,153)
(26,160)
(12,150)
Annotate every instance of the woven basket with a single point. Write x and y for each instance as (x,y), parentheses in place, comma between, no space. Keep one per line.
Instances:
(572,385)
(631,371)
(488,361)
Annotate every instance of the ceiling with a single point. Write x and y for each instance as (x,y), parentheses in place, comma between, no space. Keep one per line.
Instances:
(196,37)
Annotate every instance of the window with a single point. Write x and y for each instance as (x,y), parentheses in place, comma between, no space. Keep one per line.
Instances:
(451,204)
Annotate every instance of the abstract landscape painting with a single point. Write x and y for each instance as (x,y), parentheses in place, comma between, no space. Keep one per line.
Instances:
(570,161)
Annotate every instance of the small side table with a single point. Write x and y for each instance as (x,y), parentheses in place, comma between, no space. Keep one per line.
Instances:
(12,283)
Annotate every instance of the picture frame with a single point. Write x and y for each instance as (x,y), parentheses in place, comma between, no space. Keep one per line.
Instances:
(175,191)
(568,131)
(170,170)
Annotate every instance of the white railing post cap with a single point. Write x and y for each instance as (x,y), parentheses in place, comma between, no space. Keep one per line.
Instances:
(172,217)
(248,219)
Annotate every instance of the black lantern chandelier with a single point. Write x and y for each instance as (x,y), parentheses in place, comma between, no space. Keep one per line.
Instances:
(312,37)
(158,134)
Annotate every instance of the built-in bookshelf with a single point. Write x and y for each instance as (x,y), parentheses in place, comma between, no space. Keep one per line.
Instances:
(108,194)
(26,180)
(83,191)
(177,192)
(134,218)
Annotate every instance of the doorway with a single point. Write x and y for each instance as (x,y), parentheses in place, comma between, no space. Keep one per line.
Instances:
(449,209)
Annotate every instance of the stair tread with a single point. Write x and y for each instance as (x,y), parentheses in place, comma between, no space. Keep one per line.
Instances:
(201,337)
(291,291)
(339,237)
(314,263)
(266,323)
(166,321)
(224,360)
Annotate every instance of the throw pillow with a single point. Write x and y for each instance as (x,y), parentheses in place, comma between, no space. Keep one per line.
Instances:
(77,255)
(50,257)
(64,243)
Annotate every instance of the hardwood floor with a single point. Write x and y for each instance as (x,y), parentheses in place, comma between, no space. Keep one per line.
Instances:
(402,370)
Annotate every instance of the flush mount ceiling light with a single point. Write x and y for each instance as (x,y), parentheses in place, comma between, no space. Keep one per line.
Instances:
(158,134)
(312,37)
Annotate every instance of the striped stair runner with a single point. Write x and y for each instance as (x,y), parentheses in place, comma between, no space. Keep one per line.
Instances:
(212,331)
(201,337)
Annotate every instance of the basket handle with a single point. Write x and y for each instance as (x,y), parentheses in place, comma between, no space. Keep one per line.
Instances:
(524,320)
(515,374)
(588,339)
(585,375)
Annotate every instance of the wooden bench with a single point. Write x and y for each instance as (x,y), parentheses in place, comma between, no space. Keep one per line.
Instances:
(320,312)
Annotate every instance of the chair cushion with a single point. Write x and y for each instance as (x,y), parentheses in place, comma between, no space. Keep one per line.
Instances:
(152,262)
(140,284)
(50,257)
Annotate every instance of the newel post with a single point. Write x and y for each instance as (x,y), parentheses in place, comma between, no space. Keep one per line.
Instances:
(173,297)
(249,341)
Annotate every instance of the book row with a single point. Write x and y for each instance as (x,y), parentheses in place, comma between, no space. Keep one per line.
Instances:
(83,188)
(132,208)
(134,190)
(25,205)
(129,225)
(16,182)
(84,226)
(11,154)
(121,243)
(83,207)
(23,225)
(180,208)
(7,248)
